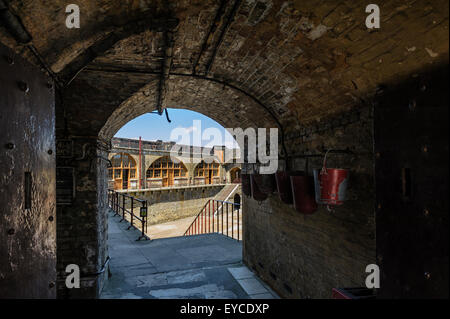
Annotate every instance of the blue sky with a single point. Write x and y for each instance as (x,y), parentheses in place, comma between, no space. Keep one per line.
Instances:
(154,127)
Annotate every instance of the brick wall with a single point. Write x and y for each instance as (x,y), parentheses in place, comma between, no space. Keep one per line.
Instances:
(81,225)
(305,256)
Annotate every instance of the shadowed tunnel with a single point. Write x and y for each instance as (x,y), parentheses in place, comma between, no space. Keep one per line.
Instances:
(310,68)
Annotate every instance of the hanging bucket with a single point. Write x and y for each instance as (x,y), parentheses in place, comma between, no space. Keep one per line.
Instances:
(256,192)
(265,182)
(330,184)
(284,185)
(303,194)
(245,179)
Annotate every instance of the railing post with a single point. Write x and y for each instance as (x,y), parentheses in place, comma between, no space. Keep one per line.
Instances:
(143,222)
(227,219)
(237,223)
(222,217)
(209,217)
(114,202)
(132,213)
(232,221)
(212,215)
(146,220)
(117,203)
(123,207)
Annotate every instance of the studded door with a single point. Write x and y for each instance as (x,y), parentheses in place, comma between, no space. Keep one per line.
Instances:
(27,180)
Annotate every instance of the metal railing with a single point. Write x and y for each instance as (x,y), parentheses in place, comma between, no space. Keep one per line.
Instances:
(123,205)
(218,216)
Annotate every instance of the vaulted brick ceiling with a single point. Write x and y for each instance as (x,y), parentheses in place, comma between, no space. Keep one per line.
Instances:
(241,60)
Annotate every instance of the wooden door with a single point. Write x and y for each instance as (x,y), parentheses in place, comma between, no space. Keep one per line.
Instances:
(170,178)
(125,178)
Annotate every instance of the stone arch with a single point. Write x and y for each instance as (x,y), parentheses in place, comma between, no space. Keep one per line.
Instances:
(304,61)
(200,95)
(166,171)
(123,173)
(207,173)
(235,174)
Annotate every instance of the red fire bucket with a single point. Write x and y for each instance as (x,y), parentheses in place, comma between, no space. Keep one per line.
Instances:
(284,184)
(303,194)
(330,184)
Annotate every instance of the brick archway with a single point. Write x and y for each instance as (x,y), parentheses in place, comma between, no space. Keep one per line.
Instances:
(123,173)
(314,71)
(164,172)
(235,175)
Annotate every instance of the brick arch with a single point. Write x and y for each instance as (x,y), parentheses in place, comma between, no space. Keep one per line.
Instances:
(202,161)
(233,173)
(102,24)
(147,165)
(166,175)
(302,59)
(117,170)
(229,106)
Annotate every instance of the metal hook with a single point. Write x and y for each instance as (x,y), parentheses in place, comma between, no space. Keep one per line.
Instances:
(167,115)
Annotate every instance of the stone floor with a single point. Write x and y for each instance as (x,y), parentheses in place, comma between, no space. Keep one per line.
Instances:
(170,229)
(201,266)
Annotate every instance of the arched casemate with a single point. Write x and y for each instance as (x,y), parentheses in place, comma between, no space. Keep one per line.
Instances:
(165,172)
(235,175)
(207,173)
(122,174)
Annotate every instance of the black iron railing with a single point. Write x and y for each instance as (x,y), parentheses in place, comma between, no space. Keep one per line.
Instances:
(218,216)
(124,205)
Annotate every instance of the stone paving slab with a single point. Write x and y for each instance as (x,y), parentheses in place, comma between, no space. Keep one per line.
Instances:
(201,266)
(252,285)
(241,273)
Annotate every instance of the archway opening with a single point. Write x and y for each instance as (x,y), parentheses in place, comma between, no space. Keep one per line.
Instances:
(235,175)
(166,172)
(177,176)
(184,194)
(207,173)
(122,173)
(237,201)
(332,86)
